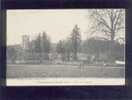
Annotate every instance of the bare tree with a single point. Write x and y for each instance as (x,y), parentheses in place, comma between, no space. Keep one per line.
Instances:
(108,21)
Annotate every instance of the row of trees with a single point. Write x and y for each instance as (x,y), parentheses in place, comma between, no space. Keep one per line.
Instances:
(42,46)
(105,22)
(64,51)
(108,21)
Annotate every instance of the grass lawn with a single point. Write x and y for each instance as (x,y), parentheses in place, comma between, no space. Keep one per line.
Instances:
(38,71)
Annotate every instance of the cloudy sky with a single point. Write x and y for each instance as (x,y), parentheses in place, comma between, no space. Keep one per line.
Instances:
(58,24)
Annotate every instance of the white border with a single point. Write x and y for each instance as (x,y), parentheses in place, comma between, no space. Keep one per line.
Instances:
(65,81)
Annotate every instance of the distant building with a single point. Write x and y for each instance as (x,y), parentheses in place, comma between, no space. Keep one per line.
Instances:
(25,42)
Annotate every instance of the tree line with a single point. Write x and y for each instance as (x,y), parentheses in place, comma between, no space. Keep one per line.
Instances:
(69,49)
(107,22)
(66,49)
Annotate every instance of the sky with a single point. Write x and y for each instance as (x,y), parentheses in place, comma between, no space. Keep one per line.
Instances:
(58,24)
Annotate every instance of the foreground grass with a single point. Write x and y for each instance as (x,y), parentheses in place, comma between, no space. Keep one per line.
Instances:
(38,71)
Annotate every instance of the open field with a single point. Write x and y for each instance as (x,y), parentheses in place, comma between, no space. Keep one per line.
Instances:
(45,71)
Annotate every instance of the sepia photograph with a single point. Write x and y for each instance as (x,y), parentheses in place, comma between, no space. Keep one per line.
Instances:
(62,47)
